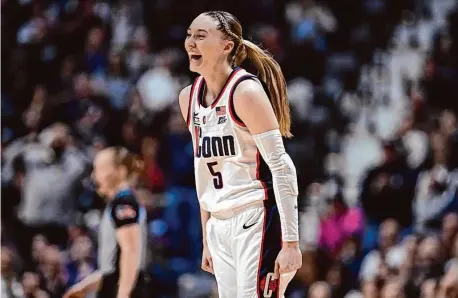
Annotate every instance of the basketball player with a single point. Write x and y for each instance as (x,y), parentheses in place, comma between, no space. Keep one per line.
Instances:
(122,231)
(246,183)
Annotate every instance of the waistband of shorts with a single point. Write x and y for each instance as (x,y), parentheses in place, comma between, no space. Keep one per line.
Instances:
(222,215)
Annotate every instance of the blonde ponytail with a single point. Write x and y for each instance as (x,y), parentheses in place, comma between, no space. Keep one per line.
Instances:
(270,73)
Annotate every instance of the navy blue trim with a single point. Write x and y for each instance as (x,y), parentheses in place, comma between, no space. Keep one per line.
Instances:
(272,237)
(232,111)
(265,175)
(271,246)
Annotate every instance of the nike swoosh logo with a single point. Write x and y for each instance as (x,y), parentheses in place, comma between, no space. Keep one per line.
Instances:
(196,114)
(247,227)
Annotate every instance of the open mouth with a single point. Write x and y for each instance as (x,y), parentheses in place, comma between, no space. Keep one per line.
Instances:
(195,58)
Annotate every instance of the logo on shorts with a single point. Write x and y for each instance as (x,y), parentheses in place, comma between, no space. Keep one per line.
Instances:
(245,226)
(268,285)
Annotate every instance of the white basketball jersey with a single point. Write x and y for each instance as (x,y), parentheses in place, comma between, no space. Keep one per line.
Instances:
(229,170)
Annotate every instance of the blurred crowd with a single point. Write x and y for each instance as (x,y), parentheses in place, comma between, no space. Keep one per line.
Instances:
(373,86)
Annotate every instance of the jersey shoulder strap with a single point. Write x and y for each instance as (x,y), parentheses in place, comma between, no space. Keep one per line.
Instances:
(243,76)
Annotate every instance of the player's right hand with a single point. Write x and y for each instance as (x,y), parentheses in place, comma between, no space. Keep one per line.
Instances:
(207,263)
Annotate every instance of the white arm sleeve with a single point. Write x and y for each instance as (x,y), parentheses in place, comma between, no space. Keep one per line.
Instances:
(270,145)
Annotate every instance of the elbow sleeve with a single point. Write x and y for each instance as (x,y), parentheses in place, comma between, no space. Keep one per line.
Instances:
(270,145)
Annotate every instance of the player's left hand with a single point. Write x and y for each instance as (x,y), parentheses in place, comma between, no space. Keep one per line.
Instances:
(289,259)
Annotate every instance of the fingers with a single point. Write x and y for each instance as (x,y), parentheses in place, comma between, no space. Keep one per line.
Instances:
(277,270)
(207,265)
(210,265)
(282,267)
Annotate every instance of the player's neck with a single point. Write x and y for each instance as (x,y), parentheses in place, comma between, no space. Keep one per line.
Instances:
(122,186)
(216,79)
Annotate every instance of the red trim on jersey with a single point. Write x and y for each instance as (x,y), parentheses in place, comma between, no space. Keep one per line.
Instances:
(215,102)
(196,133)
(188,120)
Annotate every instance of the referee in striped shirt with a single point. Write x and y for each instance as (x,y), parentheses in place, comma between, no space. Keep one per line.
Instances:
(122,231)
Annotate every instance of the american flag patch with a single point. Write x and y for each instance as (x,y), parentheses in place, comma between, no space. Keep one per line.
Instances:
(220,111)
(125,212)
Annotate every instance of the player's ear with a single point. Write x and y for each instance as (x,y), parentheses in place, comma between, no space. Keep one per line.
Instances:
(228,46)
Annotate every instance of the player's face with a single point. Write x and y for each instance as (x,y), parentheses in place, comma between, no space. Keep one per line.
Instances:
(205,45)
(105,173)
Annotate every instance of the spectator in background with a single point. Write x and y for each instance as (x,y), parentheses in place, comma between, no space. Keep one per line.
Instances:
(390,184)
(449,233)
(140,57)
(339,222)
(52,272)
(81,259)
(130,136)
(65,75)
(427,265)
(44,209)
(117,80)
(340,280)
(383,262)
(393,288)
(320,290)
(449,283)
(137,109)
(153,177)
(87,111)
(10,285)
(309,20)
(31,285)
(431,199)
(39,246)
(95,57)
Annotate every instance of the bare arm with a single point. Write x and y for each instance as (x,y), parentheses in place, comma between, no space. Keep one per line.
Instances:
(248,97)
(204,216)
(263,125)
(183,100)
(129,242)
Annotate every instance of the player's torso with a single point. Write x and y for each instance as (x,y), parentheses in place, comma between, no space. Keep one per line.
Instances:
(225,155)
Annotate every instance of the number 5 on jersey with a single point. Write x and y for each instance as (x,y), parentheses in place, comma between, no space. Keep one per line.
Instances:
(218,180)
